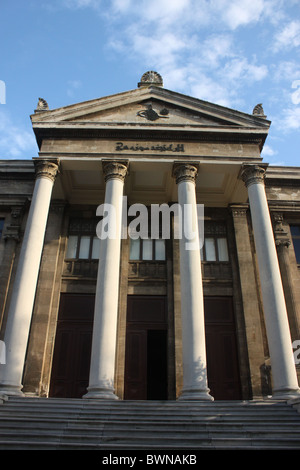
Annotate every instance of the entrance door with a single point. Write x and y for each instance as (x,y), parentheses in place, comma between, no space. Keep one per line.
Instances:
(72,351)
(221,349)
(146,348)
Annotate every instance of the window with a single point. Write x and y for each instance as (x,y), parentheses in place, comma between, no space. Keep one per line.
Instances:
(295,232)
(83,242)
(147,250)
(1,227)
(215,242)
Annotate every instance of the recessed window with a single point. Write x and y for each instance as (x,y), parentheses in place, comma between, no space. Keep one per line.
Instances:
(147,250)
(295,232)
(83,244)
(83,247)
(215,246)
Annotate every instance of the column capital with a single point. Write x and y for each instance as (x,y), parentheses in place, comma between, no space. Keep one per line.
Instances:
(185,172)
(253,174)
(239,210)
(114,170)
(46,168)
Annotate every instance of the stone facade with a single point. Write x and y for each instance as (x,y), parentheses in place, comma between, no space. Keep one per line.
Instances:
(152,146)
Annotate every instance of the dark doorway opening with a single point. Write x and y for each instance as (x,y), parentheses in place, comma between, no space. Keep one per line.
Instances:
(146,358)
(157,365)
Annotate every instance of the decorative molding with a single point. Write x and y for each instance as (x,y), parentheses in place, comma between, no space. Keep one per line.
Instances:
(46,169)
(114,170)
(185,172)
(253,174)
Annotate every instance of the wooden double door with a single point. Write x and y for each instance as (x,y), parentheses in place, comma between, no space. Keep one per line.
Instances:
(147,354)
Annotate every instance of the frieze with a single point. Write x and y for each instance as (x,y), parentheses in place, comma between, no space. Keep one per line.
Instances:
(121,147)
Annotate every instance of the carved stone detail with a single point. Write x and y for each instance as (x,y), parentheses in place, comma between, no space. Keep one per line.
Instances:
(12,231)
(46,169)
(280,233)
(151,115)
(253,174)
(42,105)
(151,78)
(115,170)
(185,172)
(258,110)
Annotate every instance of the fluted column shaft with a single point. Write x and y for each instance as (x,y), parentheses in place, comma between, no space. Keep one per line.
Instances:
(102,369)
(23,294)
(285,383)
(192,305)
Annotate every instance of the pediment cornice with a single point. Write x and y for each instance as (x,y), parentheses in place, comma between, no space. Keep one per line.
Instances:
(149,111)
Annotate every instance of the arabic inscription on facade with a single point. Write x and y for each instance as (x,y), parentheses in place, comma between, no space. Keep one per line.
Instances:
(120,147)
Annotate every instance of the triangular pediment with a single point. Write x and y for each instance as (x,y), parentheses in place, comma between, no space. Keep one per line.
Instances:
(150,106)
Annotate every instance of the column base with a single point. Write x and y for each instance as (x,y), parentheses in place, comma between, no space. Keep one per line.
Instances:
(285,394)
(195,395)
(100,394)
(10,390)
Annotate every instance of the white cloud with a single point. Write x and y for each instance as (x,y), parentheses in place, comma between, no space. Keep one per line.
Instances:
(216,48)
(268,151)
(288,37)
(73,85)
(208,89)
(240,12)
(163,11)
(240,69)
(15,141)
(286,70)
(121,6)
(81,3)
(291,119)
(271,156)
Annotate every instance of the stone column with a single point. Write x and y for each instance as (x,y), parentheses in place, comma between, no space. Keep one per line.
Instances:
(285,383)
(23,294)
(192,305)
(102,369)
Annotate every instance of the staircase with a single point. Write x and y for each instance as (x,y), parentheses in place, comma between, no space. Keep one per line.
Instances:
(71,424)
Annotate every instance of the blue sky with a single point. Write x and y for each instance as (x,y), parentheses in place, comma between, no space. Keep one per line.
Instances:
(235,53)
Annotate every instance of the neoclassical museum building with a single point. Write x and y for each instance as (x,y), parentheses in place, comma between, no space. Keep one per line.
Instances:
(139,315)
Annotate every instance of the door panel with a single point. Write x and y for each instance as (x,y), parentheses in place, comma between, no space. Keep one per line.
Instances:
(72,350)
(221,349)
(136,359)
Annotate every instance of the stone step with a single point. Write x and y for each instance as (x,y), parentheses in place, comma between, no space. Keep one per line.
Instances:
(14,426)
(223,443)
(41,423)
